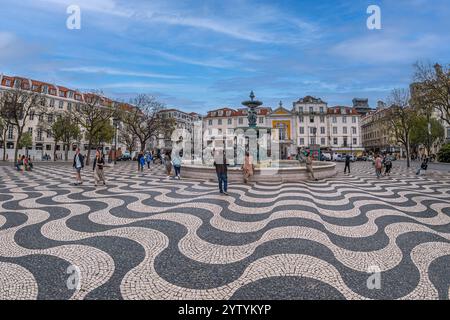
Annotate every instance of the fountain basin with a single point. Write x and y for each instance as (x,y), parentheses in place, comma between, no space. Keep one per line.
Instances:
(287,171)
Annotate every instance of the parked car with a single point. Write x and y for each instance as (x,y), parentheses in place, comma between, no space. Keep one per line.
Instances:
(126,156)
(338,157)
(361,158)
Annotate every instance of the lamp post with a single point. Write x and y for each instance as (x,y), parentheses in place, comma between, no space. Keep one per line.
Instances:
(116,124)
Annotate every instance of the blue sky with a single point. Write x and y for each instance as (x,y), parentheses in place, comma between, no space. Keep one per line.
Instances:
(201,55)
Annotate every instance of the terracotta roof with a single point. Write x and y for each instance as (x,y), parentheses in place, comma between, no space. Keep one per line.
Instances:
(338,110)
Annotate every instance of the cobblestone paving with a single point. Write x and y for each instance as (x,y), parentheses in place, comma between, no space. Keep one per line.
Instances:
(144,236)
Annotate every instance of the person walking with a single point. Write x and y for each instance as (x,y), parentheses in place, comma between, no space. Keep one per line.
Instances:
(309,167)
(176,161)
(78,164)
(99,163)
(347,164)
(148,159)
(387,165)
(248,167)
(141,161)
(378,166)
(220,162)
(167,163)
(30,163)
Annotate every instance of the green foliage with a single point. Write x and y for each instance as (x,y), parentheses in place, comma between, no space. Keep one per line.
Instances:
(65,129)
(444,153)
(26,140)
(103,133)
(420,135)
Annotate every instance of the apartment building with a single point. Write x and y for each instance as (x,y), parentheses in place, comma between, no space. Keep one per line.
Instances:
(58,99)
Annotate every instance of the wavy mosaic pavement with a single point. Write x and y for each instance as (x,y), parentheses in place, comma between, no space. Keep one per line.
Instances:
(144,236)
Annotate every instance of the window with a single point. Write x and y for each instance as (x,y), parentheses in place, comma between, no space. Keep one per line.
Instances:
(261,120)
(353,119)
(49,134)
(311,109)
(345,142)
(17,83)
(45,89)
(322,141)
(300,119)
(335,141)
(219,122)
(335,131)
(8,83)
(355,141)
(69,106)
(322,130)
(230,131)
(10,132)
(311,119)
(312,130)
(322,119)
(61,104)
(71,94)
(321,109)
(30,130)
(41,117)
(39,134)
(344,130)
(302,130)
(230,121)
(220,131)
(302,141)
(344,119)
(210,122)
(334,120)
(220,113)
(32,116)
(353,130)
(62,94)
(241,120)
(52,103)
(300,109)
(312,140)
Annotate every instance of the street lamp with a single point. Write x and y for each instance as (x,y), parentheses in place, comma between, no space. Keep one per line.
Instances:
(116,124)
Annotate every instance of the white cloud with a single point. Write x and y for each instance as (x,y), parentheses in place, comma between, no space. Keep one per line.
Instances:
(384,48)
(117,72)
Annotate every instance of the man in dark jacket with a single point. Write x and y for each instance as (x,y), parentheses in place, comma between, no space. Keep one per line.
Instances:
(347,164)
(78,164)
(220,162)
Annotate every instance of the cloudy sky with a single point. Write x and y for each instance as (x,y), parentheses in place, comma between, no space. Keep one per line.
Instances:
(199,55)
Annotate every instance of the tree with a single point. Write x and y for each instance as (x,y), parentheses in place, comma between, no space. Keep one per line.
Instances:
(16,106)
(104,134)
(66,130)
(401,118)
(144,121)
(26,141)
(425,134)
(432,88)
(92,115)
(128,138)
(4,131)
(444,153)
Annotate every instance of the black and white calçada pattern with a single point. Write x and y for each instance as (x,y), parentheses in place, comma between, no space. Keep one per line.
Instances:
(144,236)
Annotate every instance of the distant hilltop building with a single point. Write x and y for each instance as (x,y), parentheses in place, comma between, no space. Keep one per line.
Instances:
(361,106)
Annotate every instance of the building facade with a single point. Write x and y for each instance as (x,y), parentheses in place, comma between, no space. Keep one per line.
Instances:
(58,99)
(309,124)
